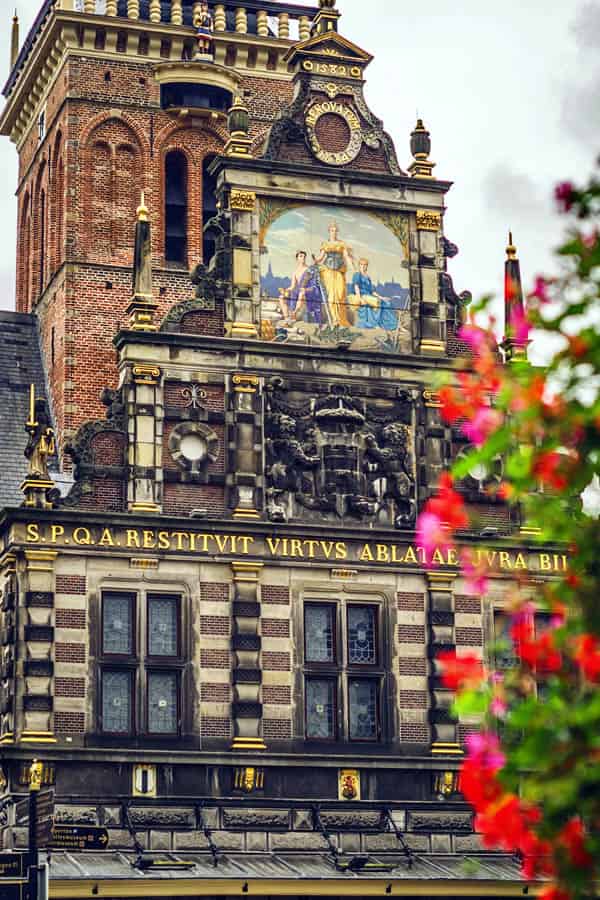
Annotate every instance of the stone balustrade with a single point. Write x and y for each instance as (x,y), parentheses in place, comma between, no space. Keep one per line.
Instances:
(258,18)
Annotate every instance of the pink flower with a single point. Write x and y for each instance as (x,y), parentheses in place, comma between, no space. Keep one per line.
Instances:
(519,325)
(483,749)
(564,195)
(475,574)
(431,534)
(481,425)
(498,707)
(475,337)
(540,290)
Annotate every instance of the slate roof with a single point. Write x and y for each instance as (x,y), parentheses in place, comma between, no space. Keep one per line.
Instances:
(20,365)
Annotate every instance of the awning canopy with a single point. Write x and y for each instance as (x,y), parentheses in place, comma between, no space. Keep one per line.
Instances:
(114,874)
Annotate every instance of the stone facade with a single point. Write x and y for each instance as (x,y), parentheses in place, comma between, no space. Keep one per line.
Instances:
(222,633)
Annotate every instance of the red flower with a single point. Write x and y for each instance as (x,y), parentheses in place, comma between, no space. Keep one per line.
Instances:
(572,837)
(552,892)
(541,654)
(587,655)
(564,195)
(448,504)
(460,671)
(549,467)
(453,406)
(578,346)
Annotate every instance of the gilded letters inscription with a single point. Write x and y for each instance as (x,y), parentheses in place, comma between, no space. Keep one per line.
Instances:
(271,547)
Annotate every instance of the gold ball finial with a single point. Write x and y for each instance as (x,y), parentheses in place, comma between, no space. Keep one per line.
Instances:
(142,210)
(511,250)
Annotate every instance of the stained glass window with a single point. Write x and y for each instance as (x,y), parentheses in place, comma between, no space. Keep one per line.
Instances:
(116,702)
(318,631)
(362,648)
(117,624)
(162,626)
(362,699)
(320,708)
(162,702)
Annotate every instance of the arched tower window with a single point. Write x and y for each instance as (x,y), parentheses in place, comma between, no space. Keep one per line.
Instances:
(209,207)
(176,203)
(42,241)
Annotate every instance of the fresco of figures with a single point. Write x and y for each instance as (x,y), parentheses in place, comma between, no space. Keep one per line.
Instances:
(332,275)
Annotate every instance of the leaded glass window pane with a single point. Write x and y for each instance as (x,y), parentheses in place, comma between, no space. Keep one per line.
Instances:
(162,626)
(362,697)
(319,633)
(320,708)
(117,624)
(504,651)
(116,702)
(162,702)
(362,648)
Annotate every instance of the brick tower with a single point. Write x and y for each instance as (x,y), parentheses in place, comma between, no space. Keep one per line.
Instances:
(106,100)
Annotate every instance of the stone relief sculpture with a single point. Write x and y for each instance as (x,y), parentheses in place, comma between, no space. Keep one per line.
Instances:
(339,457)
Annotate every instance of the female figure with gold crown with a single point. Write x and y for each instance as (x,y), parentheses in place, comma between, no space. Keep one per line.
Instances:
(334,260)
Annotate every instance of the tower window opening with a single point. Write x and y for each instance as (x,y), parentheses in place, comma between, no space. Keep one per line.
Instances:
(209,207)
(176,202)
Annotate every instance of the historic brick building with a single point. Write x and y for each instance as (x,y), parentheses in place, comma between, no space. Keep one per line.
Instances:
(217,630)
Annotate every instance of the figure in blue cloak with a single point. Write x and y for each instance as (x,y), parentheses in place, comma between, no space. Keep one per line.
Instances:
(374,311)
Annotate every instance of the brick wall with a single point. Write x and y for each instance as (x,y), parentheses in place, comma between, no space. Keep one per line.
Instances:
(71,584)
(410,601)
(277,729)
(69,652)
(275,628)
(69,722)
(70,618)
(219,625)
(215,659)
(211,591)
(181,499)
(276,661)
(274,593)
(69,687)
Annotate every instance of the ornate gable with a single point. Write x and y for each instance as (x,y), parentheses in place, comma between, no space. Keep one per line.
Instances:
(329,122)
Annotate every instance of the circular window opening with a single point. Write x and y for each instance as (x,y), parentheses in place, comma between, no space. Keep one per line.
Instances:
(193,447)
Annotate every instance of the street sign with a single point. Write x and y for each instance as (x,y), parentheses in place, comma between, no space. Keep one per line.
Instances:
(45,812)
(78,837)
(13,865)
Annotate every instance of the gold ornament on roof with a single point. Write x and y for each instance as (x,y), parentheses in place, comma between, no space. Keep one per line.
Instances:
(511,250)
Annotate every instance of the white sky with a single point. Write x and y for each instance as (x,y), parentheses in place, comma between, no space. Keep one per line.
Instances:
(510,92)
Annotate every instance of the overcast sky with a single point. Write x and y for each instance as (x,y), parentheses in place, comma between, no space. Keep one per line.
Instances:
(510,92)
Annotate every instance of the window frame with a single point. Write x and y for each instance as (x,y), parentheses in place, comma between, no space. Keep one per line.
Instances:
(139,665)
(133,611)
(155,661)
(376,630)
(334,681)
(341,671)
(131,673)
(377,681)
(335,660)
(178,704)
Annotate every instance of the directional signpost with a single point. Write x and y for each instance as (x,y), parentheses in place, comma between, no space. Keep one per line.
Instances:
(13,865)
(78,837)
